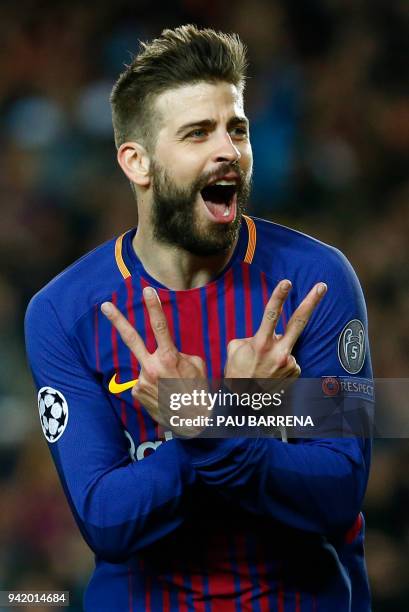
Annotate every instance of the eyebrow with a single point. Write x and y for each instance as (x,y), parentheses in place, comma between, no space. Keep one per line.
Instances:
(211,124)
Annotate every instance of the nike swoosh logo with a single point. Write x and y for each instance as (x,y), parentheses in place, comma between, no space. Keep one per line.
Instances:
(116,388)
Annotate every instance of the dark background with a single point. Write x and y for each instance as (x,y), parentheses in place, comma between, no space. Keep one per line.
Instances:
(330,132)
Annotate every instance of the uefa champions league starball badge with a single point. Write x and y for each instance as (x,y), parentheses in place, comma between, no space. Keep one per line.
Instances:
(53,409)
(352,346)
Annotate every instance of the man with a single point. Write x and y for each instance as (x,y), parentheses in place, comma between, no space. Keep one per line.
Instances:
(199,289)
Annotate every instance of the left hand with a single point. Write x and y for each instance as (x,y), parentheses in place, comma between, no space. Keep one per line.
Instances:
(266,354)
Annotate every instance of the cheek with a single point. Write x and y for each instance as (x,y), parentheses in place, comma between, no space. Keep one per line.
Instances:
(183,166)
(185,171)
(246,160)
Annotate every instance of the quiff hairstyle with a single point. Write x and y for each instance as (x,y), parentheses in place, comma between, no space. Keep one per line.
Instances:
(185,55)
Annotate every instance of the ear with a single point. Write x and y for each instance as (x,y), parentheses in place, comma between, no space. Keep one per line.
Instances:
(135,162)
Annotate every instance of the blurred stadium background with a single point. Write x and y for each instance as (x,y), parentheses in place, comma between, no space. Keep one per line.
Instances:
(330,132)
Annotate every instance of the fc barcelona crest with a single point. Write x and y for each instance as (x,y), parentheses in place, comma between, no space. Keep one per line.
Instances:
(352,347)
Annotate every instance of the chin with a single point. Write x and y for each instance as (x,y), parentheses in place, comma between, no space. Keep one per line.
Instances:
(215,239)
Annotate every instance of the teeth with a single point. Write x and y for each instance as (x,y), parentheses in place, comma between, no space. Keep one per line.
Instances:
(226,212)
(223,182)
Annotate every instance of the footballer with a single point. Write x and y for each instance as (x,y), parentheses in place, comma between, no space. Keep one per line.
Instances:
(200,289)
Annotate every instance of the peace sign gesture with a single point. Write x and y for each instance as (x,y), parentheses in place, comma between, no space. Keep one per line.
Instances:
(266,354)
(165,362)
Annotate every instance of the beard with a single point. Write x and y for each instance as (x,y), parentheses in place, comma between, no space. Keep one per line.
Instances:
(174,214)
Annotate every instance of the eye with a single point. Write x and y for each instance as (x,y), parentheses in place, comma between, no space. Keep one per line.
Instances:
(197,134)
(239,132)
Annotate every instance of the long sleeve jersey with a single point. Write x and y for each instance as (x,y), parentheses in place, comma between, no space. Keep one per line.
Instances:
(214,525)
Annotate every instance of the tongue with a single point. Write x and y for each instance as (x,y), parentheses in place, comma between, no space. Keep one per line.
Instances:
(216,209)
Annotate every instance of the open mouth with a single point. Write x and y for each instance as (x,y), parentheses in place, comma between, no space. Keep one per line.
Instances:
(220,200)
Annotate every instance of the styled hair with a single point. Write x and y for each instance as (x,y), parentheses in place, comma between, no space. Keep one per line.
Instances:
(185,55)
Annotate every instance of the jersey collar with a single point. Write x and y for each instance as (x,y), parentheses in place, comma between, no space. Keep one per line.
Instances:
(129,264)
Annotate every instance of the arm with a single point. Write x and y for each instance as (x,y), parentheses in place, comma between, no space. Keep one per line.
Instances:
(120,506)
(315,485)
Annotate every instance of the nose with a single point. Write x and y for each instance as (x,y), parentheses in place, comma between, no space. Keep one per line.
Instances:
(226,150)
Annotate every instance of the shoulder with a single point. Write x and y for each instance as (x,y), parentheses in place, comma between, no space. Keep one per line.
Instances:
(298,256)
(279,240)
(77,289)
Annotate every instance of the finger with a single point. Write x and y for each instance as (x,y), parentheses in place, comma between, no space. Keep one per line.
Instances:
(295,373)
(128,333)
(302,315)
(273,311)
(198,363)
(158,320)
(286,364)
(292,369)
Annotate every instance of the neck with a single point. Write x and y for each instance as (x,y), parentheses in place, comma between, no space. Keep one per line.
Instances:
(174,267)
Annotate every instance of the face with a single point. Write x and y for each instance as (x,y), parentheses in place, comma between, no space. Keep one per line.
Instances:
(201,167)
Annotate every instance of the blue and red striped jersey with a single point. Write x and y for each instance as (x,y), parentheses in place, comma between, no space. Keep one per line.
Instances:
(216,525)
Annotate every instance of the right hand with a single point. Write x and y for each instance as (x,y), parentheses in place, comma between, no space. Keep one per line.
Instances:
(165,362)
